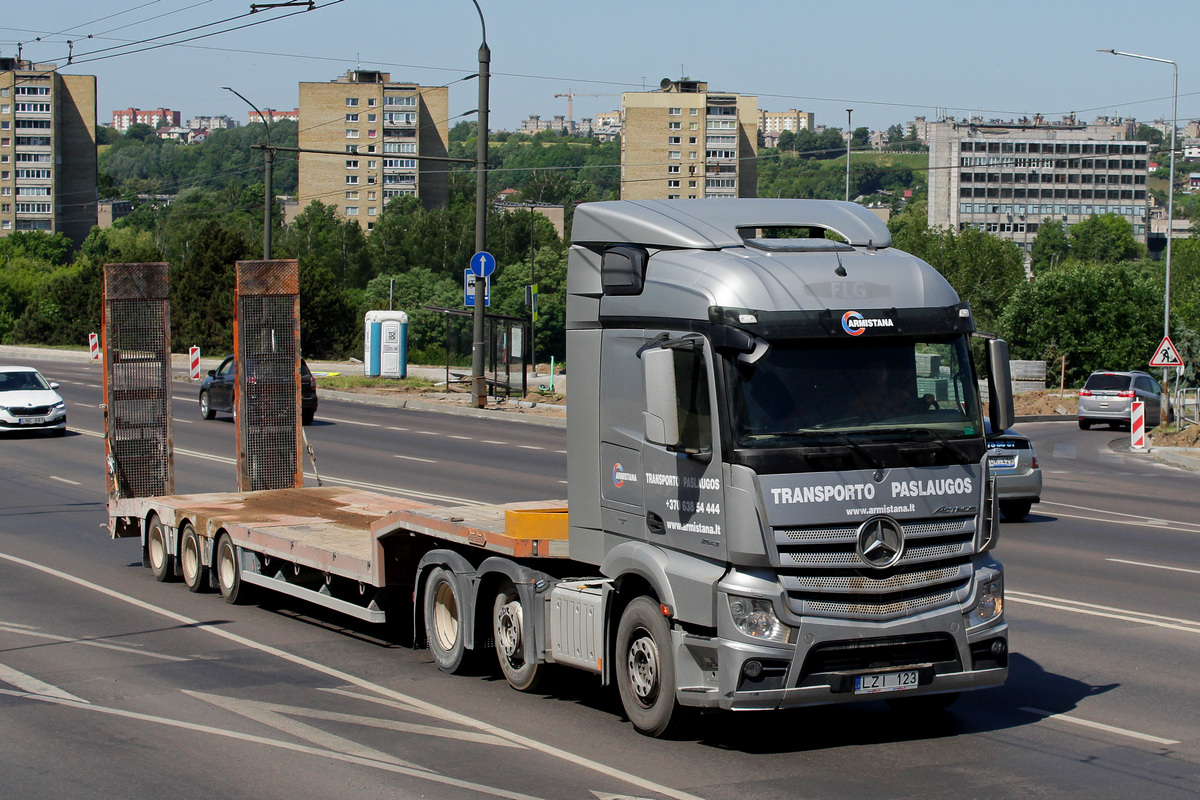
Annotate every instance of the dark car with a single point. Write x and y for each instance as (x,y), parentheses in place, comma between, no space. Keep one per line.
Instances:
(216,393)
(1013,461)
(1108,397)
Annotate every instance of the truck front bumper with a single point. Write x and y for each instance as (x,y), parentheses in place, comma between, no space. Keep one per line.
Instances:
(820,669)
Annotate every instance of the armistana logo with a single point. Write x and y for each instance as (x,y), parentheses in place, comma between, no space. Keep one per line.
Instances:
(620,475)
(854,324)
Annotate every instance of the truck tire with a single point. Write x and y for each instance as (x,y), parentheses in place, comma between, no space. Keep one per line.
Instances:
(1015,510)
(307,417)
(158,553)
(229,572)
(646,668)
(206,410)
(191,563)
(444,625)
(509,631)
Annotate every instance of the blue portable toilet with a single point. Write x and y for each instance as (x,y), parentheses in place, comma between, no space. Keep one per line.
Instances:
(385,344)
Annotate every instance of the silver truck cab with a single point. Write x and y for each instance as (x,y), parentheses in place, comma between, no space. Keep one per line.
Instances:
(776,434)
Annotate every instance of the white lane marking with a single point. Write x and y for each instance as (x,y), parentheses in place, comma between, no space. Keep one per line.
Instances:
(178,420)
(394,428)
(30,684)
(396,725)
(414,458)
(1138,517)
(1153,566)
(262,740)
(354,680)
(63,480)
(445,499)
(493,441)
(83,405)
(13,627)
(1108,612)
(530,447)
(90,385)
(562,481)
(464,438)
(1100,726)
(1145,522)
(563,452)
(352,422)
(428,433)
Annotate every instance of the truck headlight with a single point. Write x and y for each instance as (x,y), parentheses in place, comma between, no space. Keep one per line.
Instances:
(756,618)
(990,604)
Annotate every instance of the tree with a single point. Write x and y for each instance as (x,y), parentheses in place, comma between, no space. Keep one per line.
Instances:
(1050,246)
(1145,133)
(140,131)
(1096,315)
(202,290)
(1106,239)
(53,248)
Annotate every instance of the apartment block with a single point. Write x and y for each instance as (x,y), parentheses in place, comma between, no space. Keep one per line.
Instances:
(684,141)
(776,122)
(274,115)
(155,118)
(47,150)
(374,131)
(1007,177)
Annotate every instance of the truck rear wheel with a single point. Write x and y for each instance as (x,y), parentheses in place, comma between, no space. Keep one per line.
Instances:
(191,564)
(509,631)
(646,668)
(229,572)
(444,626)
(158,553)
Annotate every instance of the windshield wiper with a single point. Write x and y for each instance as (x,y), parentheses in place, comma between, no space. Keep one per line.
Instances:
(836,436)
(933,436)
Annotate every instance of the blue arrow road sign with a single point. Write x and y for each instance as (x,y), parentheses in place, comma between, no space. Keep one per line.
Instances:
(483,263)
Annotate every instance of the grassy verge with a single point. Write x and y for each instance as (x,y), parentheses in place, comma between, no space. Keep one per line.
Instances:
(363,382)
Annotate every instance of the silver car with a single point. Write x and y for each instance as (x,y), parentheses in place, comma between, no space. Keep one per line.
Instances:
(1013,461)
(1108,397)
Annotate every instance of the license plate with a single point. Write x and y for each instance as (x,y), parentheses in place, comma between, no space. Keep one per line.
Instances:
(1002,462)
(31,420)
(886,682)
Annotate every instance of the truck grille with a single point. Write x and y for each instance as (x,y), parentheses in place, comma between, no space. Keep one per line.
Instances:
(824,577)
(859,655)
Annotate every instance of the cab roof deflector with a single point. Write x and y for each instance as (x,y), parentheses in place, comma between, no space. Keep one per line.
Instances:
(715,224)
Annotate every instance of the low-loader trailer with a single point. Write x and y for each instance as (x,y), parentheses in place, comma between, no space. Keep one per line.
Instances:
(778,491)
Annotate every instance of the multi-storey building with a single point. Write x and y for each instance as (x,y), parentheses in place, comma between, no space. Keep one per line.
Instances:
(274,115)
(776,122)
(684,141)
(47,150)
(216,122)
(377,131)
(155,118)
(1007,177)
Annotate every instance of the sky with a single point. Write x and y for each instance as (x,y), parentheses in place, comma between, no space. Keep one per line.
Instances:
(887,61)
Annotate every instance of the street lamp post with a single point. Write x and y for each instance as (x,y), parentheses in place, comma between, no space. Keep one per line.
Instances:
(478,381)
(268,188)
(1166,397)
(849,139)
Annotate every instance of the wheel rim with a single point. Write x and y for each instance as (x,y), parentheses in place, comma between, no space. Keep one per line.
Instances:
(204,403)
(445,616)
(508,631)
(190,559)
(157,548)
(643,667)
(227,567)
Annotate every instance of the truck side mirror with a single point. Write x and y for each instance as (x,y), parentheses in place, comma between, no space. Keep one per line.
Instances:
(661,417)
(1000,407)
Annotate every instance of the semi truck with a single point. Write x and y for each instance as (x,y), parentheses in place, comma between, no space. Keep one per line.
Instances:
(778,492)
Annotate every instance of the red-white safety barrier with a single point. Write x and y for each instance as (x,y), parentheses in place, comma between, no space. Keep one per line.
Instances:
(94,346)
(1137,425)
(194,360)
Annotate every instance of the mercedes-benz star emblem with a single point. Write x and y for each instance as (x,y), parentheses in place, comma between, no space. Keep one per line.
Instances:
(880,542)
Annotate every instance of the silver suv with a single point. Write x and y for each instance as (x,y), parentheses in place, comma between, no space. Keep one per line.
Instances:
(1108,397)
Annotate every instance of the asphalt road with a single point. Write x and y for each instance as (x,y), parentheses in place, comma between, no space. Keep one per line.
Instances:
(114,685)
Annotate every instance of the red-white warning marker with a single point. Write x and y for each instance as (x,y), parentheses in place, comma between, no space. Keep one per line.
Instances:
(1137,425)
(1166,355)
(194,360)
(94,346)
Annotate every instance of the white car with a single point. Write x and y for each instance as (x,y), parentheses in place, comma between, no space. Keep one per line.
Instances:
(29,403)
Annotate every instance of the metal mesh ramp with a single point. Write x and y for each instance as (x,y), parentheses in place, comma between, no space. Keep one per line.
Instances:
(266,340)
(137,381)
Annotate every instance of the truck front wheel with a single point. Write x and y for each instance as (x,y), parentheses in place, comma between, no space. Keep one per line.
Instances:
(162,563)
(509,631)
(646,668)
(444,626)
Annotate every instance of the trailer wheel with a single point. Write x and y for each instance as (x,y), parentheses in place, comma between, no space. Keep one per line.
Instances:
(508,629)
(229,572)
(162,563)
(444,626)
(646,668)
(195,573)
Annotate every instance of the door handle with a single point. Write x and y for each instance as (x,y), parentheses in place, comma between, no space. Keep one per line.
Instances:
(654,524)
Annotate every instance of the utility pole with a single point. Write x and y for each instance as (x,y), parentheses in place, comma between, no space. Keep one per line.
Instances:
(478,381)
(849,139)
(268,188)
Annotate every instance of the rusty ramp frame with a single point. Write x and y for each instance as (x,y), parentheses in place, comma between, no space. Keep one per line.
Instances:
(136,333)
(266,342)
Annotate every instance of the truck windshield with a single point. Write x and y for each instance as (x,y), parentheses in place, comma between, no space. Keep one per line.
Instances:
(806,392)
